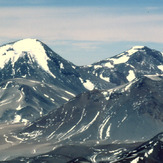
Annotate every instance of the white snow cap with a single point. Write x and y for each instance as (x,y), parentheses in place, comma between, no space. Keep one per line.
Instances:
(34,48)
(134,49)
(123,57)
(137,47)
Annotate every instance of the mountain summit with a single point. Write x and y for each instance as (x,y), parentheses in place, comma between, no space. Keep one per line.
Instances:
(125,67)
(32,59)
(28,66)
(34,80)
(31,48)
(79,109)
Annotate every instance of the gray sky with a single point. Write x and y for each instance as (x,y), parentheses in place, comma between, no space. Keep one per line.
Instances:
(84,31)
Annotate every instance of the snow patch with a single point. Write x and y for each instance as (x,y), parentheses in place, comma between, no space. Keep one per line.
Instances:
(7,84)
(153,77)
(128,85)
(135,49)
(70,93)
(65,98)
(150,151)
(124,118)
(73,67)
(25,121)
(33,134)
(160,67)
(108,93)
(20,98)
(6,139)
(135,160)
(61,66)
(146,155)
(102,126)
(117,151)
(88,66)
(52,99)
(46,95)
(19,107)
(87,84)
(97,66)
(109,65)
(17,119)
(34,151)
(81,80)
(131,76)
(84,128)
(122,59)
(108,131)
(104,78)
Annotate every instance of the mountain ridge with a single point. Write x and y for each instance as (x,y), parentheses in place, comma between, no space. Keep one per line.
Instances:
(126,66)
(33,60)
(107,73)
(23,59)
(113,112)
(81,108)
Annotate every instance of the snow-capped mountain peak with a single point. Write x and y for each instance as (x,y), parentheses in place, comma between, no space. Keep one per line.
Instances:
(134,49)
(32,47)
(125,56)
(126,66)
(34,60)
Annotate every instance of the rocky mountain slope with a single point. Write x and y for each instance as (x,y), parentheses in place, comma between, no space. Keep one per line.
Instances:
(79,108)
(125,67)
(130,113)
(32,59)
(150,151)
(143,152)
(48,81)
(24,100)
(116,115)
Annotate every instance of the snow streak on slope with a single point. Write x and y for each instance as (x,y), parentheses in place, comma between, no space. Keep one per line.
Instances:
(102,126)
(160,67)
(31,47)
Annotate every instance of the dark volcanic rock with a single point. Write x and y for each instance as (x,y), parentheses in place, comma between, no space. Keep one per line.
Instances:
(132,112)
(150,151)
(36,81)
(125,67)
(24,100)
(32,59)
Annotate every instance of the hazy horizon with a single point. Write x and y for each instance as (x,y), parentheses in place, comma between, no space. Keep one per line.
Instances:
(84,32)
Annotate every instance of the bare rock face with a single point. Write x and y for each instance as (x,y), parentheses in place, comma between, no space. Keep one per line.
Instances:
(125,67)
(102,112)
(32,59)
(132,112)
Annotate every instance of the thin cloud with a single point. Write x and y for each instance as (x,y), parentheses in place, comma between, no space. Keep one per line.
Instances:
(86,45)
(81,24)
